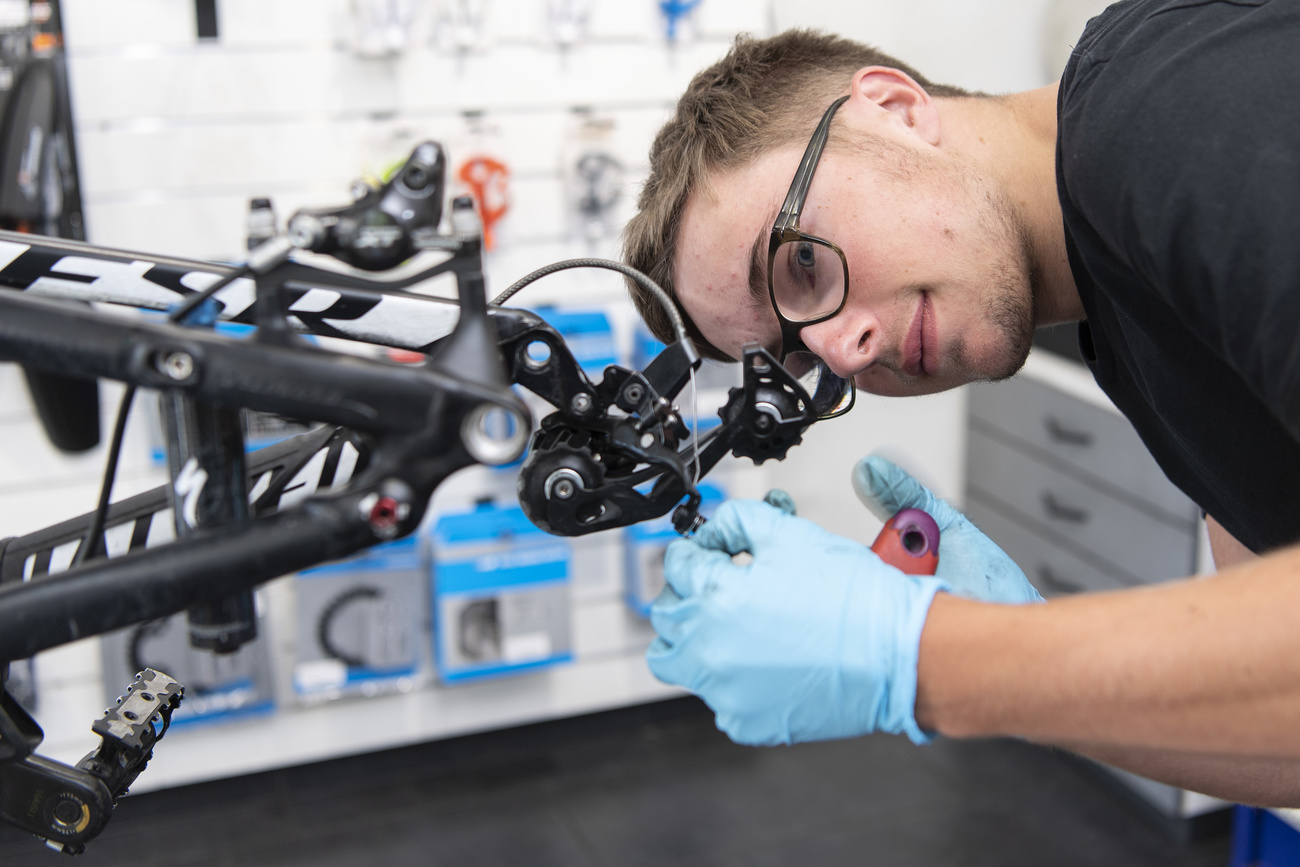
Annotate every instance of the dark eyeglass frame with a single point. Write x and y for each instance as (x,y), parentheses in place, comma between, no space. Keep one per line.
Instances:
(786,229)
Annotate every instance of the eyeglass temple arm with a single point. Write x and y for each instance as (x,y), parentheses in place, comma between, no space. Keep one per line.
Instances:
(803,177)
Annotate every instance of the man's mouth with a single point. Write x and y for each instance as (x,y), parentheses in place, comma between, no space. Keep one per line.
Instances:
(918,345)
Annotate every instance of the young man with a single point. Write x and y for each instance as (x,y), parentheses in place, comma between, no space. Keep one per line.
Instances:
(1153,196)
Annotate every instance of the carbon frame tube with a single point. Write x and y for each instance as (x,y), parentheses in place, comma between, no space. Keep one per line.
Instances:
(328,303)
(156,582)
(355,392)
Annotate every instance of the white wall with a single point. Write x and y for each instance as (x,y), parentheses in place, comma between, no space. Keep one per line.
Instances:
(175,136)
(997,46)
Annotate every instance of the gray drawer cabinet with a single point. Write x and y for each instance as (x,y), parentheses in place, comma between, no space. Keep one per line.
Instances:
(1069,491)
(1095,444)
(1053,569)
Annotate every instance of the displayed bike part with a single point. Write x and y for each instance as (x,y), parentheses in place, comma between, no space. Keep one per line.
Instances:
(67,407)
(332,610)
(382,228)
(488,180)
(40,192)
(675,13)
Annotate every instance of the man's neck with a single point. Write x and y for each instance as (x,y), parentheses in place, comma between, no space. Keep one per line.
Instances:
(1013,140)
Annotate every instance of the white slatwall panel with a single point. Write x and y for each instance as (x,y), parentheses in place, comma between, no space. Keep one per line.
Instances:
(174,137)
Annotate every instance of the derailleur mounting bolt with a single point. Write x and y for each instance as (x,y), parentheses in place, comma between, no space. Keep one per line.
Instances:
(581,403)
(634,393)
(177,365)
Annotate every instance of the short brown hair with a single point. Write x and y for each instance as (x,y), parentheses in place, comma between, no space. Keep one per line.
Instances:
(766,93)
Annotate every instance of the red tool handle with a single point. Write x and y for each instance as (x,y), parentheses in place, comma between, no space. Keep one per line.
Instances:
(909,542)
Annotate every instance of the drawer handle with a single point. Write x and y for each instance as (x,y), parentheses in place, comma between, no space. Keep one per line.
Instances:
(1067,436)
(1061,512)
(1051,581)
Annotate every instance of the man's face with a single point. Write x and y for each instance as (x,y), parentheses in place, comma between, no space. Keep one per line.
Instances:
(939,276)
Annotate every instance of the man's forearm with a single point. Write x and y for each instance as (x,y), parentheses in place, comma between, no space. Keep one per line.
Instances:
(1201,666)
(1260,782)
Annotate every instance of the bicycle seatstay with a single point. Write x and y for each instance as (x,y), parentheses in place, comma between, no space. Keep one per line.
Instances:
(284,473)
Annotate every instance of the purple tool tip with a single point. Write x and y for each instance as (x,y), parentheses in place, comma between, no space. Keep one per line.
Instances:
(918,531)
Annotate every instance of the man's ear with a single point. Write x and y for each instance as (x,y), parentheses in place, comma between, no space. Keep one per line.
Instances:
(882,88)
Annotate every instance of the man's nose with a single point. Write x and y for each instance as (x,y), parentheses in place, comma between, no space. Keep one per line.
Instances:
(849,343)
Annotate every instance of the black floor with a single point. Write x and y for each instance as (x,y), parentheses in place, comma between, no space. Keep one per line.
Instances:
(655,785)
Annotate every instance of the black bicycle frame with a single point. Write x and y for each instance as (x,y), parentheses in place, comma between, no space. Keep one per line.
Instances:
(613,453)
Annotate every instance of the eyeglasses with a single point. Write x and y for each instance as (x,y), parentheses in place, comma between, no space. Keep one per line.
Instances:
(808,282)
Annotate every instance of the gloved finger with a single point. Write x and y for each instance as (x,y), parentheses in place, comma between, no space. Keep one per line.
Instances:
(885,488)
(669,665)
(741,526)
(657,648)
(691,570)
(671,616)
(756,730)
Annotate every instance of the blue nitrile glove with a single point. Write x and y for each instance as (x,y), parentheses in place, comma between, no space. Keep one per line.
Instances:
(815,638)
(970,562)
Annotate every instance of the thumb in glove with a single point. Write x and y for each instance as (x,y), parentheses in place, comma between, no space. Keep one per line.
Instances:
(969,561)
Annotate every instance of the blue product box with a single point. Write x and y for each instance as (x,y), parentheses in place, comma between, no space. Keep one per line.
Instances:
(500,595)
(361,623)
(644,548)
(1260,838)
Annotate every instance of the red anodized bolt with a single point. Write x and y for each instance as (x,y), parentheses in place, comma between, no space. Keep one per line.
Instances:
(383,514)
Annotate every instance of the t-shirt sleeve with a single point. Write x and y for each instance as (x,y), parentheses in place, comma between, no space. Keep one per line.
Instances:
(1180,145)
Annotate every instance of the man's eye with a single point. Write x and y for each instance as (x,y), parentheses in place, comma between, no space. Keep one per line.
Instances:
(802,265)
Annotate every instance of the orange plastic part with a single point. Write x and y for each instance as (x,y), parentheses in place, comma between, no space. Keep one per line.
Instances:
(487,179)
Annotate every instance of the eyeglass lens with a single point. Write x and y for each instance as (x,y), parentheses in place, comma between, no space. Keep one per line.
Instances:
(831,394)
(807,280)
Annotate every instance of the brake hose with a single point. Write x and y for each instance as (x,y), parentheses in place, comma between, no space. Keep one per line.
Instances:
(89,548)
(642,280)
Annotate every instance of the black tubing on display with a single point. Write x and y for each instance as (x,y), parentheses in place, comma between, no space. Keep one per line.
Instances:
(326,621)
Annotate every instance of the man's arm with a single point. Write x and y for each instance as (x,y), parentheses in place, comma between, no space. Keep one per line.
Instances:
(1207,667)
(1264,782)
(1227,551)
(1260,782)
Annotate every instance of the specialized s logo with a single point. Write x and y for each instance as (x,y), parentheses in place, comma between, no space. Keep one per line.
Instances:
(189,485)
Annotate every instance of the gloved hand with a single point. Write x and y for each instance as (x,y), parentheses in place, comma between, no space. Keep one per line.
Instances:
(815,638)
(970,562)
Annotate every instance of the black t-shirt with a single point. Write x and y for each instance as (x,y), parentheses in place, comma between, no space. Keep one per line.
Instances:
(1178,169)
